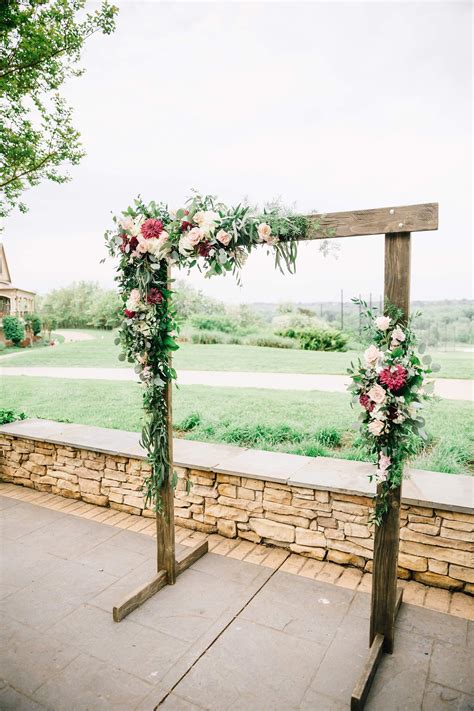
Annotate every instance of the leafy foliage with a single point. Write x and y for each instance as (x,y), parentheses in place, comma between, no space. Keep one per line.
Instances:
(8,415)
(391,387)
(34,321)
(317,339)
(40,47)
(13,329)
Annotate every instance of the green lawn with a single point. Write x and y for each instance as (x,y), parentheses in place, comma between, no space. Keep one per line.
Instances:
(309,423)
(102,353)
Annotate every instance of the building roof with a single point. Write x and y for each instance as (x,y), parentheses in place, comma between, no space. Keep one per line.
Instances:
(5,277)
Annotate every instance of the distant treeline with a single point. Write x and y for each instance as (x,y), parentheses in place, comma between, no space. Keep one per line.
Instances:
(86,305)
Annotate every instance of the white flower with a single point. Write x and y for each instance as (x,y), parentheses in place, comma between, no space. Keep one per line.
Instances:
(377,394)
(126,223)
(134,300)
(207,220)
(382,322)
(376,427)
(398,335)
(372,355)
(384,464)
(158,246)
(223,237)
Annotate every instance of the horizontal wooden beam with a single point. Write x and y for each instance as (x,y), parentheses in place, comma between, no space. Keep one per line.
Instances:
(187,558)
(382,220)
(141,595)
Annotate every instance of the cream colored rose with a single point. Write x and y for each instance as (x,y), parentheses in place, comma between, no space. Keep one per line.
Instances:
(376,427)
(223,237)
(134,300)
(264,232)
(382,322)
(377,394)
(372,355)
(126,223)
(207,220)
(158,246)
(397,337)
(195,236)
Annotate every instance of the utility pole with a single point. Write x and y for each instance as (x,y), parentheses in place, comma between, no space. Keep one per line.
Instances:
(342,309)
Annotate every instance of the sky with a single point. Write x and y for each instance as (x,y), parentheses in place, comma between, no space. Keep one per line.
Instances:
(326,105)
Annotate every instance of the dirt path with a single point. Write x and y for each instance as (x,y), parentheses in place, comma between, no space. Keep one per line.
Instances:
(445,388)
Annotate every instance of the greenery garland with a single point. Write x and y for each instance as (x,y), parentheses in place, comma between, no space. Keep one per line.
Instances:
(391,386)
(148,240)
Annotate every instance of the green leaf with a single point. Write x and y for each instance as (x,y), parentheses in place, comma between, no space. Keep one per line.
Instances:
(121,356)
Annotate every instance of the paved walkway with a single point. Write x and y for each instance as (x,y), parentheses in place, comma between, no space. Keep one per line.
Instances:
(450,389)
(229,635)
(73,336)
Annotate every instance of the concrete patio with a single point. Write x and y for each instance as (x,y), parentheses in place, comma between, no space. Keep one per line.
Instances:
(229,635)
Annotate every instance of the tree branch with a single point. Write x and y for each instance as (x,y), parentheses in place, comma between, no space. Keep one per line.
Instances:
(30,170)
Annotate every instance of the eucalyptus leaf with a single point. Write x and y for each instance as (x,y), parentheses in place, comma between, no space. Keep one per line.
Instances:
(435,367)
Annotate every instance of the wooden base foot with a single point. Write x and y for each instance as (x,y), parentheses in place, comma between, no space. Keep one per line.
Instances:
(362,688)
(139,596)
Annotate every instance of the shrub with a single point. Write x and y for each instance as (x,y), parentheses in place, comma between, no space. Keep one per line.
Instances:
(206,322)
(13,329)
(329,436)
(317,339)
(7,415)
(271,342)
(35,323)
(208,337)
(189,423)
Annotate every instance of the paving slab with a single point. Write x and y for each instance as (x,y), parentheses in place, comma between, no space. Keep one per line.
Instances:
(228,635)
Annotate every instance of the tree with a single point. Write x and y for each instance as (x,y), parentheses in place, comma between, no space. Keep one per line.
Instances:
(34,322)
(13,329)
(40,47)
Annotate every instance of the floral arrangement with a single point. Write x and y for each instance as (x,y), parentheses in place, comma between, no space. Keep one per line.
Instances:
(147,240)
(391,385)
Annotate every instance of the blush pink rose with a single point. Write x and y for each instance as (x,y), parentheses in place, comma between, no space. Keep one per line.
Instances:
(375,427)
(377,394)
(223,237)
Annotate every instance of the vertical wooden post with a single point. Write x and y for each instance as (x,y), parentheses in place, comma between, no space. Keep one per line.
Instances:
(384,581)
(166,559)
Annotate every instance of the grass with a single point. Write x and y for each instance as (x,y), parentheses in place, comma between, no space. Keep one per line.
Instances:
(102,353)
(310,423)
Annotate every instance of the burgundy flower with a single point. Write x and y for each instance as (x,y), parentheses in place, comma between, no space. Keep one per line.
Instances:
(130,314)
(394,378)
(366,403)
(185,225)
(152,228)
(204,248)
(124,242)
(154,296)
(133,244)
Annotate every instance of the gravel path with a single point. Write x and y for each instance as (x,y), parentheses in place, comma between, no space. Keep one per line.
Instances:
(445,388)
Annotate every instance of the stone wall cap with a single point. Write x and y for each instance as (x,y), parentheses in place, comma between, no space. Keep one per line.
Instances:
(454,492)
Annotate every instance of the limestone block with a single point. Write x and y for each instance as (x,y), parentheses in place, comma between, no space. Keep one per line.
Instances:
(458,525)
(227,490)
(413,562)
(349,547)
(447,555)
(457,535)
(229,512)
(227,528)
(356,529)
(421,510)
(407,535)
(305,537)
(316,553)
(97,464)
(291,520)
(437,566)
(431,529)
(194,525)
(456,516)
(135,501)
(125,508)
(352,499)
(462,573)
(334,533)
(325,522)
(67,485)
(289,510)
(254,484)
(196,508)
(271,529)
(250,536)
(249,494)
(97,499)
(88,473)
(89,486)
(228,479)
(438,581)
(63,474)
(346,558)
(279,496)
(350,508)
(351,518)
(110,463)
(209,492)
(116,497)
(245,504)
(65,492)
(34,468)
(313,505)
(302,492)
(40,459)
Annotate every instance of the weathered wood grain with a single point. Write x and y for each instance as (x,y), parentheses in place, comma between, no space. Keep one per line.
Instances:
(383,220)
(362,688)
(190,556)
(387,535)
(165,534)
(139,596)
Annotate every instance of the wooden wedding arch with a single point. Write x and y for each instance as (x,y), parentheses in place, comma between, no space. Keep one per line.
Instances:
(397,224)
